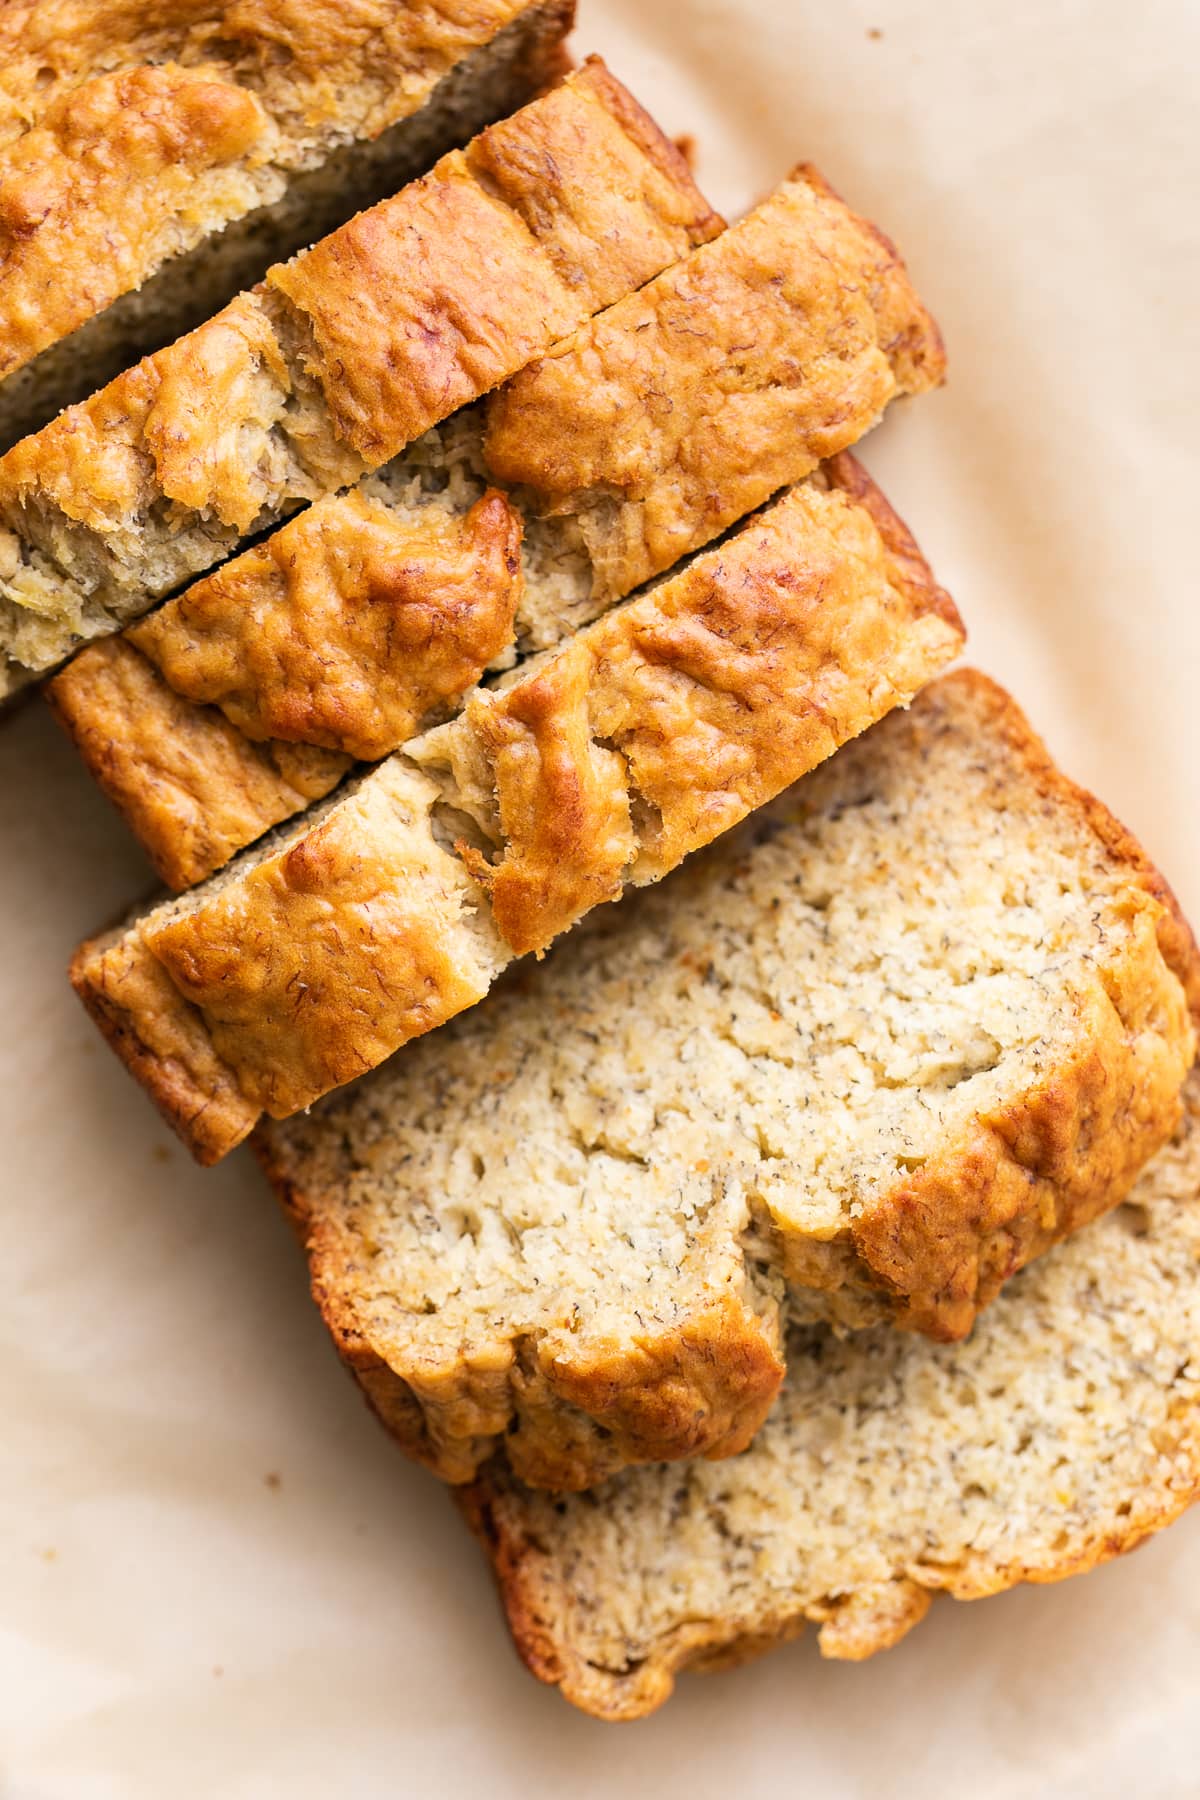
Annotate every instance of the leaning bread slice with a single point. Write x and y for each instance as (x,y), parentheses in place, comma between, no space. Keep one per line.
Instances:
(340,358)
(1063,1433)
(639,739)
(373,613)
(877,1049)
(154,160)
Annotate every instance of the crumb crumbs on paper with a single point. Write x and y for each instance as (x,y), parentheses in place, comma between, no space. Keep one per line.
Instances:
(874,33)
(218,1671)
(160,1154)
(49,1554)
(273,1480)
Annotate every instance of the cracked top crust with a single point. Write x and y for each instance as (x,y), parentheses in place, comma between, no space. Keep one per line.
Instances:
(667,721)
(879,1047)
(211,665)
(758,358)
(415,307)
(129,130)
(282,638)
(766,653)
(1063,1433)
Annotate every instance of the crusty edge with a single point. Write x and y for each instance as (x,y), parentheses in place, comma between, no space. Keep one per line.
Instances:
(567,838)
(1008,1190)
(210,1119)
(702,1390)
(853,1626)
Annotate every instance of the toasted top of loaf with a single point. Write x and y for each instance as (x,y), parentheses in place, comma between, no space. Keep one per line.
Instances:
(1064,1432)
(341,357)
(880,1046)
(340,631)
(314,957)
(130,130)
(776,349)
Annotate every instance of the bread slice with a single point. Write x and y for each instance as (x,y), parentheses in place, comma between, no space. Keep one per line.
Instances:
(154,160)
(873,1052)
(371,614)
(313,957)
(340,358)
(1063,1433)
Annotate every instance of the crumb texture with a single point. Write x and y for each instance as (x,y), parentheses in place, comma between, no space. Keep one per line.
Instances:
(1062,1433)
(879,1047)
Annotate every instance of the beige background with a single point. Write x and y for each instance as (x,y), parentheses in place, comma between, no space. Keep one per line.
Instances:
(171,1624)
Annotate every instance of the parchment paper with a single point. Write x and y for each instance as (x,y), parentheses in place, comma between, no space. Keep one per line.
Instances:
(218,1578)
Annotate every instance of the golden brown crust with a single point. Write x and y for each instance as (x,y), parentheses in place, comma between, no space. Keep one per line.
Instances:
(567,1416)
(408,315)
(191,786)
(343,355)
(163,1043)
(700,700)
(704,698)
(316,963)
(234,706)
(87,195)
(628,422)
(127,131)
(347,626)
(168,426)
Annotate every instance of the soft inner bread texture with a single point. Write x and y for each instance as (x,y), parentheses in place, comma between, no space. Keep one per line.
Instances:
(885,1042)
(890,1470)
(342,357)
(154,161)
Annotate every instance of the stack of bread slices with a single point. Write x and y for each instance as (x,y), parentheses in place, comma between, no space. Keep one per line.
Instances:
(811,1233)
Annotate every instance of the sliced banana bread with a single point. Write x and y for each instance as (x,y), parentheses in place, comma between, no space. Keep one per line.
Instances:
(340,358)
(599,764)
(874,1051)
(372,613)
(154,158)
(1063,1433)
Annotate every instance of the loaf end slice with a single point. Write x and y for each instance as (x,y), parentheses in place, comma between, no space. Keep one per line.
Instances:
(327,369)
(153,163)
(880,1046)
(1063,1433)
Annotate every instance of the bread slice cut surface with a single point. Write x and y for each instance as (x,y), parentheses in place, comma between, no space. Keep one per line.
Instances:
(1064,1432)
(873,1052)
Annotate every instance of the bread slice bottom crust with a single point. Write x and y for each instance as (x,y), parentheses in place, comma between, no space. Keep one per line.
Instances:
(1063,1433)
